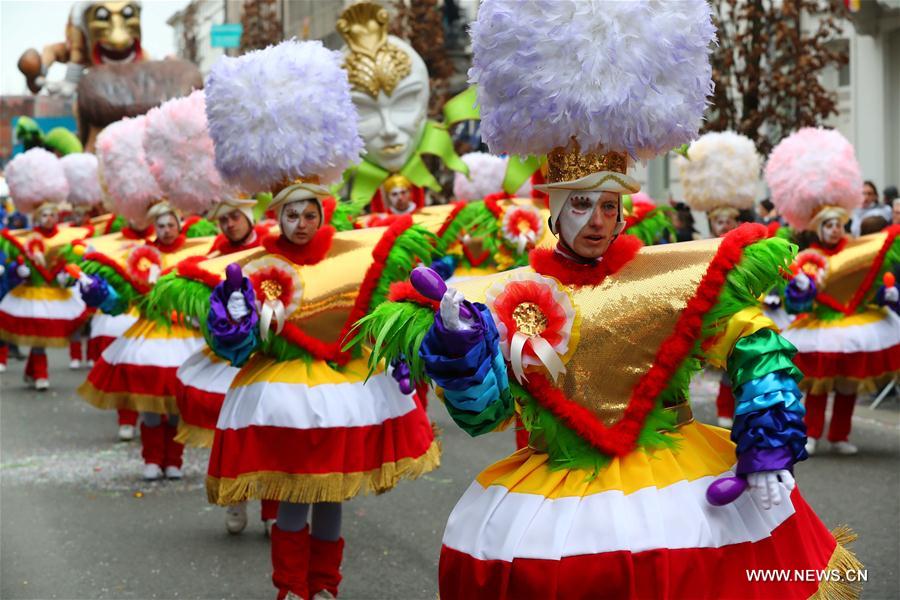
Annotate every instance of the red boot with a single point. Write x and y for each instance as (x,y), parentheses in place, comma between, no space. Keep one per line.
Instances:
(75,355)
(290,561)
(127,417)
(173,451)
(725,405)
(39,370)
(4,356)
(325,565)
(28,374)
(269,510)
(815,415)
(841,423)
(153,449)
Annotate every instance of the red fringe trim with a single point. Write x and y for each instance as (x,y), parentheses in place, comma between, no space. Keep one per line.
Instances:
(831,251)
(223,245)
(547,262)
(188,223)
(621,438)
(307,254)
(190,268)
(641,210)
(130,234)
(173,247)
(403,291)
(104,260)
(457,207)
(492,203)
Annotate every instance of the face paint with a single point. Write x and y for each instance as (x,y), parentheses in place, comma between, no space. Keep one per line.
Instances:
(579,209)
(831,232)
(47,218)
(299,221)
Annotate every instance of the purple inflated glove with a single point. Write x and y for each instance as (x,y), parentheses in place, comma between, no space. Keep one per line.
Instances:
(401,374)
(222,326)
(726,490)
(94,290)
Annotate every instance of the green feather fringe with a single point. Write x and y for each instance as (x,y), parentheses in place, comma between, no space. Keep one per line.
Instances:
(891,260)
(651,229)
(413,246)
(173,293)
(345,212)
(395,330)
(202,228)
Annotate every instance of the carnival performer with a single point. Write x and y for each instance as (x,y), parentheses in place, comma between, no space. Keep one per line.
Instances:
(137,371)
(179,153)
(301,424)
(84,197)
(597,339)
(846,343)
(40,310)
(720,173)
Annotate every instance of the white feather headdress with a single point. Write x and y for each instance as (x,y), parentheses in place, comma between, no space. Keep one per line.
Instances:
(722,171)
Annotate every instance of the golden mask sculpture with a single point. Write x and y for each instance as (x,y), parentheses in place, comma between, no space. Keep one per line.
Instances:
(97,33)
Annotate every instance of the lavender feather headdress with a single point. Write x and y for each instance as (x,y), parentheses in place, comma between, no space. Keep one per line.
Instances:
(627,77)
(282,113)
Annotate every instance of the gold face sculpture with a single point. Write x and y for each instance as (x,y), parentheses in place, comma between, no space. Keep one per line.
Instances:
(113,32)
(373,63)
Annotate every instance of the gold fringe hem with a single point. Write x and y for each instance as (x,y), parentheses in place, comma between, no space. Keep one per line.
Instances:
(327,487)
(842,560)
(826,385)
(163,405)
(34,340)
(193,436)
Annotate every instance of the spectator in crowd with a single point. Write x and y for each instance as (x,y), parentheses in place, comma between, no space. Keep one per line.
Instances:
(767,212)
(890,194)
(871,207)
(684,223)
(896,212)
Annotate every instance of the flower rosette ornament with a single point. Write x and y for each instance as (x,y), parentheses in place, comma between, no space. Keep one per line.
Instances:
(812,264)
(522,227)
(36,250)
(278,292)
(536,321)
(144,264)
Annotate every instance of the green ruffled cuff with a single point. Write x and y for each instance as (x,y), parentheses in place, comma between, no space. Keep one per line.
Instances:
(487,420)
(758,355)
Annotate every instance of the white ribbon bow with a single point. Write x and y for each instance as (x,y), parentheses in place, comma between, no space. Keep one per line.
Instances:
(542,349)
(271,311)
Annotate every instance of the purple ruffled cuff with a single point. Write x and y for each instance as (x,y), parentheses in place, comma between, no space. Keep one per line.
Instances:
(459,343)
(220,324)
(755,460)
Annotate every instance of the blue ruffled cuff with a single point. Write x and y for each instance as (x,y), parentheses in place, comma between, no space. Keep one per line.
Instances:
(767,391)
(769,429)
(467,364)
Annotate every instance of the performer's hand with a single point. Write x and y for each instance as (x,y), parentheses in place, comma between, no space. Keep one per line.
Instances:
(93,289)
(62,278)
(891,295)
(766,486)
(2,270)
(802,282)
(450,304)
(772,301)
(237,307)
(23,271)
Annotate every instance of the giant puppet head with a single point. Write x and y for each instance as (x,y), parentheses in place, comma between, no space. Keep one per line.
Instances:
(389,84)
(111,31)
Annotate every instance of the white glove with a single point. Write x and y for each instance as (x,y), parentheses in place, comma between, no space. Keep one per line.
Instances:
(766,487)
(62,278)
(450,310)
(2,270)
(237,306)
(154,273)
(802,281)
(23,271)
(38,258)
(891,294)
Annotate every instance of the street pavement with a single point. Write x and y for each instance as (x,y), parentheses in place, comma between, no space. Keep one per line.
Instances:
(76,521)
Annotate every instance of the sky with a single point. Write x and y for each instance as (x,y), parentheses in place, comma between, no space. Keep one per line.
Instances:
(35,23)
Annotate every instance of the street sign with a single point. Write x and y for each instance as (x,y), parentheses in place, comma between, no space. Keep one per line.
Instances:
(227,35)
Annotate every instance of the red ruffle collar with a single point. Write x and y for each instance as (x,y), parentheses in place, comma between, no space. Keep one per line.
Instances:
(833,250)
(307,254)
(173,247)
(47,233)
(547,261)
(131,234)
(226,246)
